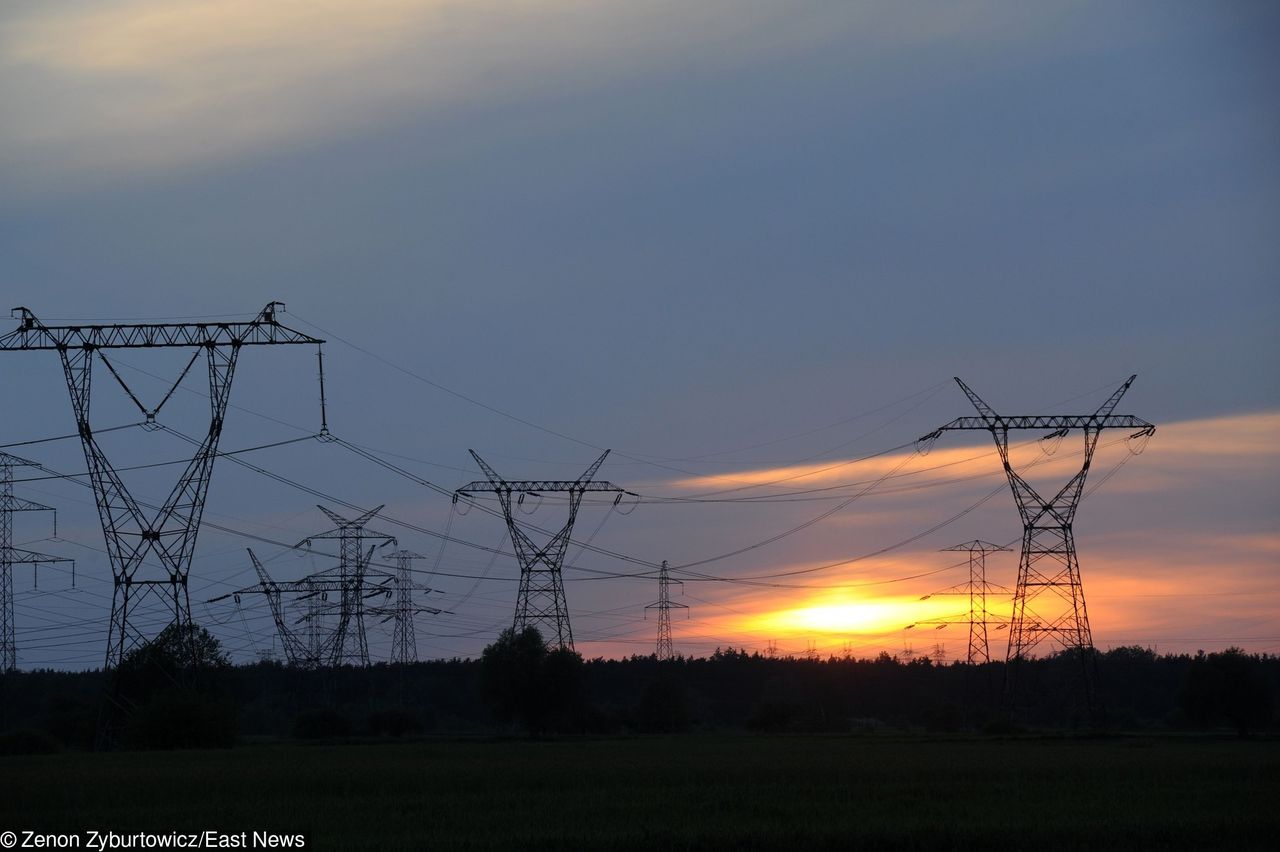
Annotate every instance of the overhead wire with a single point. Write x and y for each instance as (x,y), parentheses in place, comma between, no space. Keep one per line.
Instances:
(446,538)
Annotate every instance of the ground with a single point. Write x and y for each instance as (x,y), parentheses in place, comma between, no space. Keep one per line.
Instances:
(732,792)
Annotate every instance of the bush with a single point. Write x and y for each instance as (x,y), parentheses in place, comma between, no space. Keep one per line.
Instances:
(394,723)
(1001,726)
(321,725)
(70,720)
(182,719)
(771,717)
(663,709)
(1227,688)
(544,689)
(29,741)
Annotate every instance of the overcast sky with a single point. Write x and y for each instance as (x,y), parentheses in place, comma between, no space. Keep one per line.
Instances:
(726,239)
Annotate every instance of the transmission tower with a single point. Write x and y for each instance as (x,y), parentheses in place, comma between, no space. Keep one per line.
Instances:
(663,605)
(315,598)
(1048,601)
(976,590)
(295,651)
(540,603)
(132,537)
(308,654)
(11,556)
(349,644)
(404,642)
(353,583)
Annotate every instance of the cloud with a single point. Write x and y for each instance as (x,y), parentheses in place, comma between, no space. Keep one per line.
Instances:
(1244,440)
(1191,568)
(96,90)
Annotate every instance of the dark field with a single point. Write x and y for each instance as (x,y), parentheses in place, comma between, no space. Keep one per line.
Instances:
(695,792)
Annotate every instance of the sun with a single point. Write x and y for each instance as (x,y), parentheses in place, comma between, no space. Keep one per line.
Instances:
(879,616)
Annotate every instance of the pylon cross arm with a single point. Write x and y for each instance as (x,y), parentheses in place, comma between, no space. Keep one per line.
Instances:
(263,330)
(10,503)
(1050,422)
(537,485)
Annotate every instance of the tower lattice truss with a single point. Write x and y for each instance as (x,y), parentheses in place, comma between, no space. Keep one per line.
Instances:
(322,619)
(150,548)
(540,602)
(1048,602)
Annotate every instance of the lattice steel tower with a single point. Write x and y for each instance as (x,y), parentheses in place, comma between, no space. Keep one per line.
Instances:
(1048,602)
(11,556)
(132,536)
(349,644)
(540,603)
(663,605)
(404,639)
(976,590)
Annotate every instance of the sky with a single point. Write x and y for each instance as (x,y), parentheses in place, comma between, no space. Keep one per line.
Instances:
(745,246)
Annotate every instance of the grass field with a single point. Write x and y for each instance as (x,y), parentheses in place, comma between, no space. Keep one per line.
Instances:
(733,792)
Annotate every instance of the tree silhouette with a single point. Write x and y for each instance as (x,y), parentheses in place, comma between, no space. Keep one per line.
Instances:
(522,680)
(1230,687)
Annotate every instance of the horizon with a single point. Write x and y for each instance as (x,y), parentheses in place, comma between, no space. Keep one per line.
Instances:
(745,247)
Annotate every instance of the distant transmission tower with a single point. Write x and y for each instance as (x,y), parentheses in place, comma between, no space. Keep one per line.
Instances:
(404,641)
(296,651)
(313,651)
(976,590)
(350,644)
(352,583)
(136,540)
(663,605)
(11,556)
(540,603)
(1048,602)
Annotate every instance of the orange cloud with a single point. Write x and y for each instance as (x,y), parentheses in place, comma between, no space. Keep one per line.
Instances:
(1158,569)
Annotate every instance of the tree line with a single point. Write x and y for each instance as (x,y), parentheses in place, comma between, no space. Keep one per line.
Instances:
(519,686)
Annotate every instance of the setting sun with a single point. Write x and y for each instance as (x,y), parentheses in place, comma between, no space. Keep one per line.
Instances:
(879,616)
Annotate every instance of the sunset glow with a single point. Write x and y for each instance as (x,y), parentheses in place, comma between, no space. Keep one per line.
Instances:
(1140,589)
(744,245)
(871,617)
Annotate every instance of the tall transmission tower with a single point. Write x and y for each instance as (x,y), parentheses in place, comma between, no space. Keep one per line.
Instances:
(352,586)
(132,536)
(311,650)
(11,556)
(350,644)
(540,603)
(663,605)
(404,641)
(976,590)
(1048,601)
(297,652)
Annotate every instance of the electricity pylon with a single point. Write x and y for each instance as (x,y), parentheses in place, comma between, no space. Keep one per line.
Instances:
(296,651)
(315,651)
(976,590)
(663,605)
(350,644)
(540,603)
(352,584)
(1048,601)
(132,536)
(404,640)
(11,556)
